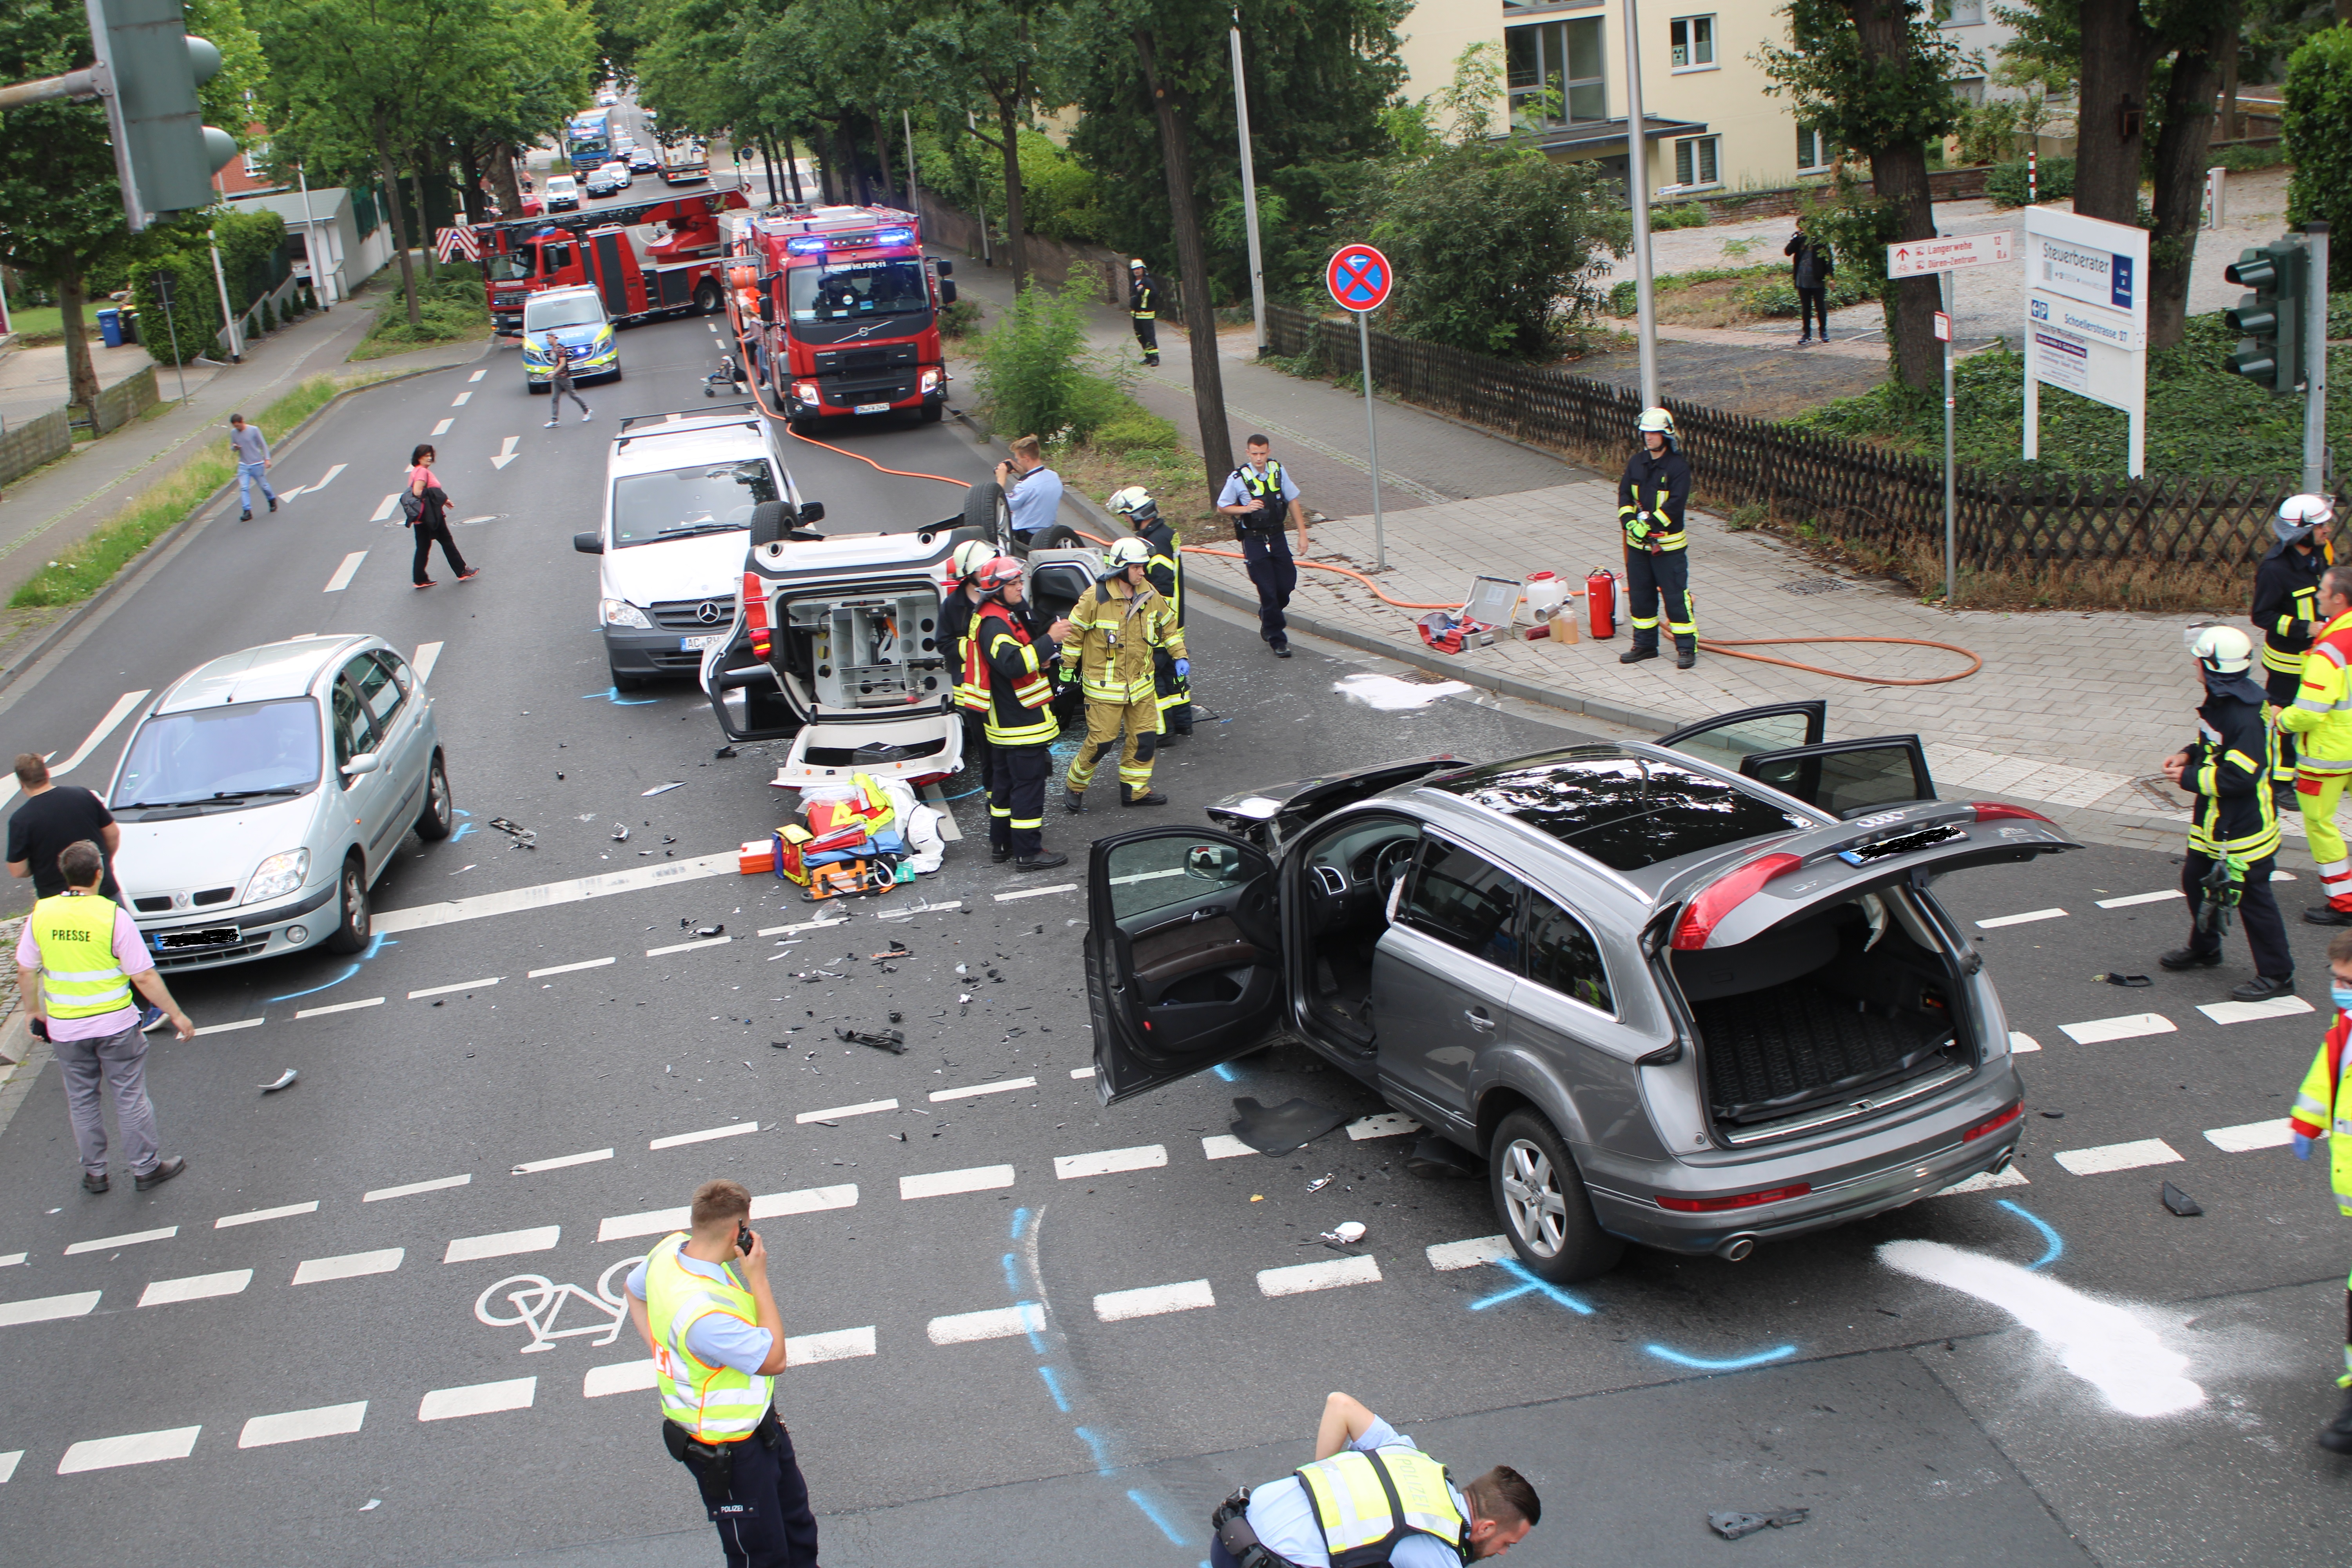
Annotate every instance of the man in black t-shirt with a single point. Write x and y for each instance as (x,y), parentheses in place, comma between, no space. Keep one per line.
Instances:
(52,817)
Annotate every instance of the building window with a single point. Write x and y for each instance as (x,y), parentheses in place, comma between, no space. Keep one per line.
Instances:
(1692,41)
(1959,13)
(257,159)
(1695,161)
(1556,75)
(1814,151)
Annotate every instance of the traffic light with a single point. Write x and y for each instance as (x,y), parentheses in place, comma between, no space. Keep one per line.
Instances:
(2270,354)
(164,150)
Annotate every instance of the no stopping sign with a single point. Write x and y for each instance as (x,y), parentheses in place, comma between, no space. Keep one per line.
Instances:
(1359,278)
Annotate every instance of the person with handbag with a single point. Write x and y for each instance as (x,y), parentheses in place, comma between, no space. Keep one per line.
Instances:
(426,505)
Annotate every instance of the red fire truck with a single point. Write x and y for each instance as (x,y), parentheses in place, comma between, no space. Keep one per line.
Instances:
(673,270)
(835,310)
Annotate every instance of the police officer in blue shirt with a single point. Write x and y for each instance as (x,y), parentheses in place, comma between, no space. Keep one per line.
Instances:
(1371,1498)
(1258,497)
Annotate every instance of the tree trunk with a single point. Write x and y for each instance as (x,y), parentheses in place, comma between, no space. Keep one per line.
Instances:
(391,177)
(2119,52)
(424,218)
(2180,148)
(1008,126)
(502,179)
(882,156)
(1192,263)
(793,175)
(1899,177)
(2230,89)
(469,176)
(822,138)
(81,375)
(768,168)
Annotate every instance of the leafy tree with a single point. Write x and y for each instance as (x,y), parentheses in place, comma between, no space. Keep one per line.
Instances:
(2319,109)
(996,57)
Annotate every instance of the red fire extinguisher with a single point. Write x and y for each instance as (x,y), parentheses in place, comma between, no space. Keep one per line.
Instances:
(1601,602)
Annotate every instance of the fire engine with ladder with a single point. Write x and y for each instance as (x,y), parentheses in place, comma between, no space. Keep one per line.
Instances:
(648,260)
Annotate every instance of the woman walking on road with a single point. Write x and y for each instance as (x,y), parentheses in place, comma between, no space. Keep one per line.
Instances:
(429,516)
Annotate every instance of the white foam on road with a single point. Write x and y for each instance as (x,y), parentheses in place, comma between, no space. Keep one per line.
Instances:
(2109,1157)
(129,1238)
(44,1309)
(503,1243)
(255,1217)
(2027,917)
(996,1323)
(1389,694)
(1003,1086)
(2106,1345)
(477,1399)
(392,923)
(1117,1306)
(2251,1135)
(834,1344)
(838,1111)
(2128,1027)
(942,1183)
(195,1288)
(1330,1274)
(350,1266)
(413,1188)
(134,1448)
(1477,1249)
(301,1426)
(2249,1011)
(1107,1161)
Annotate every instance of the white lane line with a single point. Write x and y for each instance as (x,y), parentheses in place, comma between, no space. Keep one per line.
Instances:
(2125,903)
(1117,1306)
(2251,1135)
(623,1377)
(330,479)
(462,399)
(447,990)
(2109,1157)
(255,1217)
(2019,1045)
(838,1111)
(1082,1072)
(1389,1124)
(428,654)
(1003,1086)
(346,572)
(1037,892)
(804,925)
(709,1134)
(1299,1278)
(771,1205)
(2247,1012)
(350,1266)
(1445,1256)
(688,946)
(385,510)
(392,923)
(504,1244)
(97,737)
(2031,915)
(301,1426)
(569,968)
(834,1344)
(337,1007)
(996,1323)
(129,1238)
(10,1260)
(134,1448)
(2129,1027)
(195,1288)
(9,1463)
(442,428)
(1986,1181)
(477,1399)
(1223,1146)
(476,376)
(43,1308)
(227,1028)
(413,1188)
(1072,1167)
(941,1183)
(585,1157)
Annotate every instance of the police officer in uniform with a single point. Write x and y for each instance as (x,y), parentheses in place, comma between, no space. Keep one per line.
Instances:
(1650,501)
(1143,305)
(2286,609)
(1004,675)
(1259,498)
(702,1303)
(1166,572)
(1370,1497)
(2233,836)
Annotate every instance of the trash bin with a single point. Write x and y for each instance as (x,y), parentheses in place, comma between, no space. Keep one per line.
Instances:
(109,326)
(130,326)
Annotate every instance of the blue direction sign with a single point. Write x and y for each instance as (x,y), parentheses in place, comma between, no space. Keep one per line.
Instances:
(1359,278)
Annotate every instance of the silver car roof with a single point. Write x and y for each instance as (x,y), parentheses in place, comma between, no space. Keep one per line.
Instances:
(272,670)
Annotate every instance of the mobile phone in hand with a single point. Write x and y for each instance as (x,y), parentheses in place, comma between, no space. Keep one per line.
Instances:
(742,1238)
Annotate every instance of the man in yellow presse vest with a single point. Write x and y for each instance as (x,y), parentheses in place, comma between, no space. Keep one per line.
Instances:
(702,1303)
(1370,1497)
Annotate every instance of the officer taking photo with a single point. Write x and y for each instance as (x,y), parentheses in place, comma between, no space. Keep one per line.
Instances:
(1370,1497)
(1650,501)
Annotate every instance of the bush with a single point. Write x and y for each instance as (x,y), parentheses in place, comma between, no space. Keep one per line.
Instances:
(451,306)
(194,319)
(2054,181)
(268,317)
(959,320)
(1679,215)
(2238,159)
(1030,379)
(2318,108)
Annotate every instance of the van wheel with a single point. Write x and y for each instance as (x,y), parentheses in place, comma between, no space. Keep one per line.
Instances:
(706,298)
(351,934)
(1543,1204)
(440,814)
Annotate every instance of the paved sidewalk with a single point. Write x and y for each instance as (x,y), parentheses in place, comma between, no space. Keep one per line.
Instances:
(33,380)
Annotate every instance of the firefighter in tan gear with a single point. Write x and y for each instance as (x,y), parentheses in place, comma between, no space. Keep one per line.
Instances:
(1115,629)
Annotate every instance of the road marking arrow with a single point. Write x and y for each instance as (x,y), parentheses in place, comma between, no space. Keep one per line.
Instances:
(507,454)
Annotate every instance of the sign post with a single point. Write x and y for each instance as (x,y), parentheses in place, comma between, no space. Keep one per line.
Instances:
(2086,319)
(1941,258)
(2314,384)
(1359,279)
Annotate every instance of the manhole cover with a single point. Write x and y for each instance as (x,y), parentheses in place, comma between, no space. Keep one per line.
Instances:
(1815,585)
(2159,791)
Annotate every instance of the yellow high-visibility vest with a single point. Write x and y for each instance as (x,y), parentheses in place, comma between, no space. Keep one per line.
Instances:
(714,1403)
(79,976)
(1366,1503)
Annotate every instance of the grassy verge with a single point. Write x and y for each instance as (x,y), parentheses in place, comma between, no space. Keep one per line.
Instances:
(88,566)
(35,325)
(452,311)
(1136,446)
(1730,295)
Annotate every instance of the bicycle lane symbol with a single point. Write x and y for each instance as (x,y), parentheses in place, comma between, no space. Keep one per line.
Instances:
(537,1300)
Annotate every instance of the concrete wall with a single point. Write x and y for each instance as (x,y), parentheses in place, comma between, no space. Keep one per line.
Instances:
(26,446)
(124,401)
(1051,262)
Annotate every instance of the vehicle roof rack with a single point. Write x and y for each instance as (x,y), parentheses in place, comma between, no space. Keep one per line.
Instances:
(714,417)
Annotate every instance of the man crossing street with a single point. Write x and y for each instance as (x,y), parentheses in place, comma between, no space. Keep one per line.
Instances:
(1650,501)
(1143,306)
(2321,723)
(1259,496)
(2287,608)
(253,460)
(1115,630)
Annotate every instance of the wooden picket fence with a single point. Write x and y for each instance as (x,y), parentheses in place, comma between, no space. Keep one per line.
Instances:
(1845,489)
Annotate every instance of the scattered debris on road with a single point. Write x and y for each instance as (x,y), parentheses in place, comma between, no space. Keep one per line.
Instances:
(287,1079)
(2181,1203)
(1732,1526)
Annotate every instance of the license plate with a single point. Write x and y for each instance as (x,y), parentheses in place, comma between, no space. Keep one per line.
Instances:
(698,644)
(871,408)
(183,940)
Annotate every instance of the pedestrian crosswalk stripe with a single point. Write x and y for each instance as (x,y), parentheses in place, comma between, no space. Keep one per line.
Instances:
(477,1399)
(129,1239)
(255,1217)
(941,1183)
(44,1309)
(350,1266)
(413,1188)
(1328,1274)
(301,1426)
(503,1243)
(1108,1161)
(2117,1157)
(195,1288)
(2251,1135)
(1151,1301)
(134,1448)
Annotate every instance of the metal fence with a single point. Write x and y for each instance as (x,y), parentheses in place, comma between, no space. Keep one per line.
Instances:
(1847,489)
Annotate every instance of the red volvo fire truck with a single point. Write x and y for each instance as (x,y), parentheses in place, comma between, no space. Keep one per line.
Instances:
(646,259)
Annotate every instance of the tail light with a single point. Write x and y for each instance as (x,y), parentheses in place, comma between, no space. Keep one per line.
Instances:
(755,612)
(1724,894)
(1999,1122)
(1741,1201)
(1994,811)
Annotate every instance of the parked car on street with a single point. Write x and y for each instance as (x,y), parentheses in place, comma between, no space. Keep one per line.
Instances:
(608,179)
(573,317)
(562,194)
(1694,993)
(265,792)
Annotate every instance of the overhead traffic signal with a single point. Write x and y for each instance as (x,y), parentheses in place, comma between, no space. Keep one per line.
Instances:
(2271,352)
(164,150)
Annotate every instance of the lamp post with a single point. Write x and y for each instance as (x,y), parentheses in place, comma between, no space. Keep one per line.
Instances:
(1249,189)
(1637,193)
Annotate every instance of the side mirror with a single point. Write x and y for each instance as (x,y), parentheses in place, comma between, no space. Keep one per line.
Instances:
(365,763)
(767,308)
(813,511)
(588,544)
(947,292)
(1213,862)
(947,269)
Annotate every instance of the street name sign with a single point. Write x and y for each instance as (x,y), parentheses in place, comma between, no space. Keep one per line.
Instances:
(1919,258)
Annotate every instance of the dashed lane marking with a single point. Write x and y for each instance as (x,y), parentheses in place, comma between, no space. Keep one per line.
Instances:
(350,1266)
(2129,1027)
(996,1323)
(477,1399)
(462,399)
(129,1238)
(1223,1146)
(2247,1012)
(385,509)
(1447,1256)
(346,572)
(1108,1161)
(97,737)
(2109,1157)
(134,1448)
(1082,1072)
(330,479)
(569,968)
(255,1217)
(2027,917)
(1330,1274)
(504,1244)
(838,1111)
(1037,892)
(337,1007)
(2127,901)
(709,1134)
(688,946)
(10,1260)
(442,428)
(561,1161)
(1389,1124)
(1151,1301)
(301,1426)
(1003,1086)
(771,1205)
(9,1463)
(834,1344)
(447,990)
(195,1288)
(392,923)
(227,1028)
(428,654)
(1986,1181)
(944,1183)
(2019,1045)
(476,376)
(44,1309)
(2251,1135)
(413,1188)
(804,925)
(623,1377)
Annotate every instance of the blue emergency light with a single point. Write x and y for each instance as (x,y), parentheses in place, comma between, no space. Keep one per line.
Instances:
(895,237)
(806,245)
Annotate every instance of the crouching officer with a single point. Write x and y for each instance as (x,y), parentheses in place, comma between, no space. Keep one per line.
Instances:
(2287,610)
(2233,838)
(702,1303)
(1004,676)
(1369,1498)
(1650,501)
(1166,572)
(1116,629)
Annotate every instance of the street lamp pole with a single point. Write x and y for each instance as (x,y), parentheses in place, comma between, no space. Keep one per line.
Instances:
(1637,195)
(1249,188)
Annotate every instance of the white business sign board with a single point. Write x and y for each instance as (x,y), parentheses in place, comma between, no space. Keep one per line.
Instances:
(2087,317)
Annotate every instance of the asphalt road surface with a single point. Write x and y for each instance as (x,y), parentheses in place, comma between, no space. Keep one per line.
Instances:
(380,1325)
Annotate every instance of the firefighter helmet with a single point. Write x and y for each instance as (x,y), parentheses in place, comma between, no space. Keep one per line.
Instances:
(2299,517)
(1128,551)
(970,556)
(998,575)
(2222,650)
(1656,419)
(1135,504)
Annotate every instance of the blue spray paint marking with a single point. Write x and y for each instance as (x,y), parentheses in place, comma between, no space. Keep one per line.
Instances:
(1225,1071)
(1102,1459)
(1030,1310)
(982,790)
(613,694)
(1701,1364)
(1518,1270)
(2057,1244)
(314,990)
(375,945)
(1020,1223)
(1054,1386)
(463,829)
(1012,1278)
(1155,1516)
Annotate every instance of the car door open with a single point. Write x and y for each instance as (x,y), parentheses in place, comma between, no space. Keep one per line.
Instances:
(1728,740)
(1847,778)
(1183,955)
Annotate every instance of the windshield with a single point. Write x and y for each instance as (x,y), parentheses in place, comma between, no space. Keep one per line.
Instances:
(511,268)
(858,289)
(570,311)
(224,753)
(700,500)
(561,185)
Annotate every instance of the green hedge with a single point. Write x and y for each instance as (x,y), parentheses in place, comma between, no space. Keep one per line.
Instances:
(2054,181)
(194,320)
(2319,109)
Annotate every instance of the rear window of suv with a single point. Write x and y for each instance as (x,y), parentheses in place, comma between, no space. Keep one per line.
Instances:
(1625,811)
